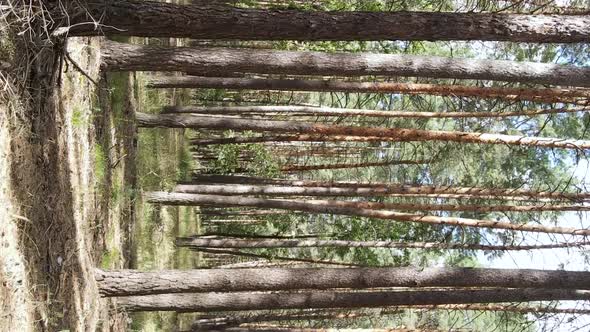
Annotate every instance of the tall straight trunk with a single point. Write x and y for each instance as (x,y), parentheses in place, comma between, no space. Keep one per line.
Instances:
(299,168)
(274,257)
(127,57)
(315,243)
(261,264)
(554,95)
(270,328)
(134,282)
(394,134)
(232,184)
(311,149)
(322,154)
(505,308)
(232,189)
(257,236)
(211,302)
(528,200)
(243,213)
(232,321)
(284,138)
(266,328)
(155,19)
(333,207)
(327,111)
(233,221)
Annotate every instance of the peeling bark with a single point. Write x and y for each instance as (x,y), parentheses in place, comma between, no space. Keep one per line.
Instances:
(554,95)
(327,111)
(333,207)
(379,134)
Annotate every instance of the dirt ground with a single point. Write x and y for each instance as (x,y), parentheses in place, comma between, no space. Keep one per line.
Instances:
(52,222)
(72,169)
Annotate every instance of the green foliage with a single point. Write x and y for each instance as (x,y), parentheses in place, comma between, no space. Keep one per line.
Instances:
(100,163)
(454,164)
(185,164)
(110,259)
(78,118)
(228,160)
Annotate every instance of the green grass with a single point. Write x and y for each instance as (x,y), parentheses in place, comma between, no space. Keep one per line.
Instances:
(110,259)
(79,119)
(100,163)
(162,159)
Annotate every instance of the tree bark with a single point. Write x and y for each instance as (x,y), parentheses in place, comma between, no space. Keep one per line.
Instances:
(327,111)
(242,213)
(554,95)
(395,134)
(257,236)
(274,257)
(333,207)
(255,328)
(134,282)
(235,243)
(545,201)
(300,168)
(285,138)
(505,308)
(128,57)
(257,185)
(155,19)
(234,189)
(232,321)
(233,221)
(211,302)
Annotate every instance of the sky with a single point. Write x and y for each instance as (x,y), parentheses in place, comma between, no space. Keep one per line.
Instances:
(555,259)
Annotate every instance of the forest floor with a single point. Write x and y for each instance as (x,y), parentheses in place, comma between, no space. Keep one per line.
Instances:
(55,228)
(72,170)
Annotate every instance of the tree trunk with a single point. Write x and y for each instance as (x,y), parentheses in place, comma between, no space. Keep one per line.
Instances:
(257,236)
(290,150)
(236,189)
(128,57)
(505,308)
(266,328)
(544,201)
(327,111)
(134,282)
(262,264)
(394,134)
(233,221)
(511,94)
(211,302)
(231,184)
(233,321)
(285,138)
(300,168)
(314,243)
(242,213)
(155,19)
(274,257)
(333,207)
